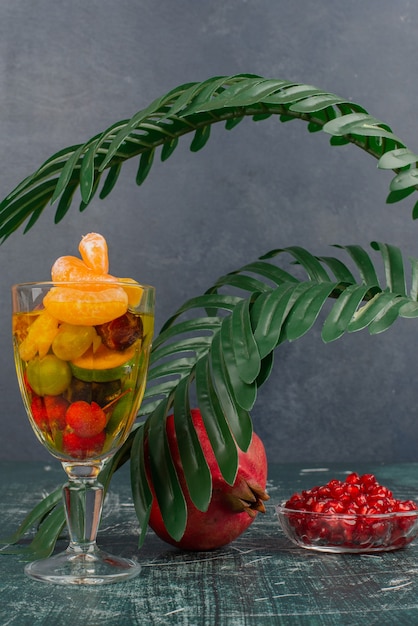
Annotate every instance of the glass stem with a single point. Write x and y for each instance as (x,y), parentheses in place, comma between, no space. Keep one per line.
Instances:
(83,501)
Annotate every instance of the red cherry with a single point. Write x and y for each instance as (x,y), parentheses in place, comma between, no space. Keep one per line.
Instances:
(27,385)
(83,447)
(84,419)
(56,408)
(39,413)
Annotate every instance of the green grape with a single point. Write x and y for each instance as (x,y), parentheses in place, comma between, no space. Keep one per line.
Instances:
(48,376)
(72,341)
(120,414)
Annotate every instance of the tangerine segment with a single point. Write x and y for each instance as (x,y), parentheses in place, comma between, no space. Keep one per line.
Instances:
(73,269)
(87,308)
(93,250)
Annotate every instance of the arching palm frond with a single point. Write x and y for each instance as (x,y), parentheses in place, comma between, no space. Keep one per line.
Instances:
(192,109)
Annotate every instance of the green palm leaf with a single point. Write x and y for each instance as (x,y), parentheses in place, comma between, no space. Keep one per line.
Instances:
(194,108)
(244,393)
(343,311)
(141,492)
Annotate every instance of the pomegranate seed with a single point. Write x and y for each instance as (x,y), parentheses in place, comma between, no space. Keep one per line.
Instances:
(368,481)
(352,478)
(361,499)
(407,505)
(353,490)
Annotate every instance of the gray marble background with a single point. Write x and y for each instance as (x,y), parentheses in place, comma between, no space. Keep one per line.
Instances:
(70,70)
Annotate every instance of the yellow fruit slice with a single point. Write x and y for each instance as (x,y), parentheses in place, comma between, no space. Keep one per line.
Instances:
(40,336)
(86,308)
(103,365)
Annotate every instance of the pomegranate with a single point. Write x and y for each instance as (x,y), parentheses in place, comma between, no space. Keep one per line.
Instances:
(232,507)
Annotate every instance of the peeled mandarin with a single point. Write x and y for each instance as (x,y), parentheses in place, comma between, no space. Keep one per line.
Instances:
(89,309)
(93,250)
(97,303)
(73,269)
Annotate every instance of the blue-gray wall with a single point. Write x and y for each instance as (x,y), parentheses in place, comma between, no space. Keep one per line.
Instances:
(69,70)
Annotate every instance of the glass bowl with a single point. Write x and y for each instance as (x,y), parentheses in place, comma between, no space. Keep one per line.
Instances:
(334,532)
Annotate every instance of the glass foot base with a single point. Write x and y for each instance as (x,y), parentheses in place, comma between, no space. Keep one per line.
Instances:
(83,568)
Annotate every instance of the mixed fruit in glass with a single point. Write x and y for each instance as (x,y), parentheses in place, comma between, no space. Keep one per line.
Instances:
(82,355)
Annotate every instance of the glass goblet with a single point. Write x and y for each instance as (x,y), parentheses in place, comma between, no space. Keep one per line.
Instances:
(81,353)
